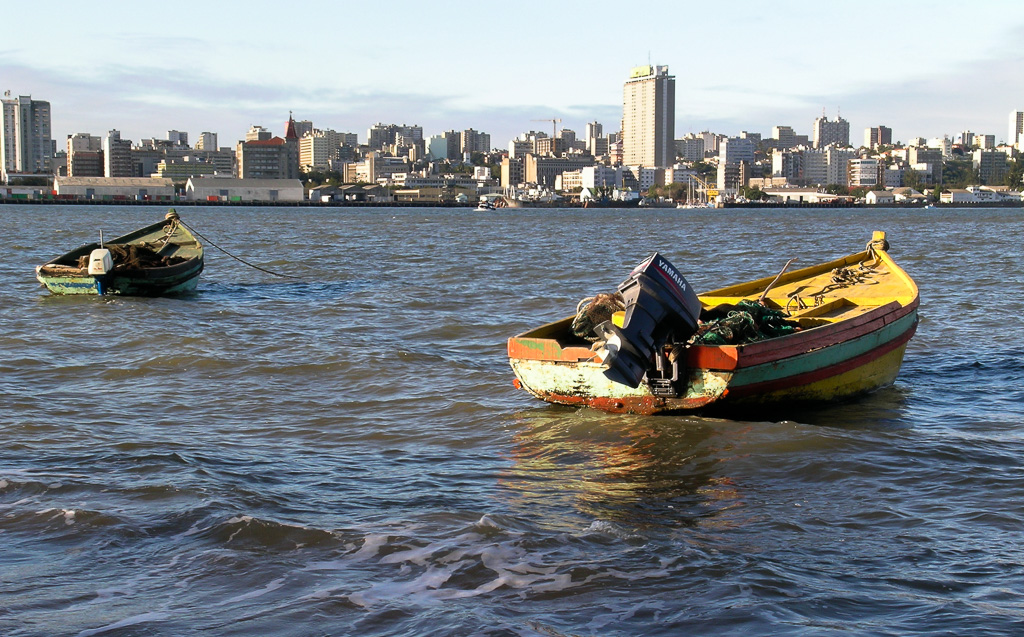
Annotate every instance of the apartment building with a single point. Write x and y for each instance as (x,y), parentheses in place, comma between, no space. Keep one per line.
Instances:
(1016,134)
(863,172)
(831,132)
(117,156)
(85,155)
(25,142)
(317,148)
(877,136)
(690,148)
(784,136)
(648,117)
(991,165)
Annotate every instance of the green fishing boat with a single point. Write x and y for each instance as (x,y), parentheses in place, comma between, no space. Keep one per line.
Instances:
(161,259)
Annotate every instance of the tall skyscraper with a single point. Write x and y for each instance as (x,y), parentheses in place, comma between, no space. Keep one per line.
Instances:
(1016,129)
(25,142)
(649,117)
(826,132)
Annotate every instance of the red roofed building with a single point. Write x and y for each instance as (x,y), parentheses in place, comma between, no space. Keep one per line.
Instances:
(274,158)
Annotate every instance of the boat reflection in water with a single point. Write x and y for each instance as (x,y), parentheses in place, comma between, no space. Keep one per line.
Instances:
(635,472)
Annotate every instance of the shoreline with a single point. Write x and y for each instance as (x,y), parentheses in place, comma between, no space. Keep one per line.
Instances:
(471,207)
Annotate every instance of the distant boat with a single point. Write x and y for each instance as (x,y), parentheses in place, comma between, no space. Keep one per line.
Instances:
(160,259)
(826,332)
(485,205)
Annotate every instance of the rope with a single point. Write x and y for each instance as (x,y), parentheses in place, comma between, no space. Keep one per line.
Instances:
(239,259)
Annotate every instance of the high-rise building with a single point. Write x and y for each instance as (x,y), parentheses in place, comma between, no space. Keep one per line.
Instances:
(380,135)
(826,132)
(690,147)
(648,117)
(303,128)
(317,148)
(177,138)
(991,166)
(785,136)
(25,142)
(877,136)
(594,134)
(1016,129)
(474,142)
(117,156)
(734,150)
(85,155)
(206,141)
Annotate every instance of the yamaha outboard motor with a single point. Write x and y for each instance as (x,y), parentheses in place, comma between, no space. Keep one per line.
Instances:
(659,304)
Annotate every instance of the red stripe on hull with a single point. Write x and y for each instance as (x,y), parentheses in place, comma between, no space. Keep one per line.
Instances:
(817,375)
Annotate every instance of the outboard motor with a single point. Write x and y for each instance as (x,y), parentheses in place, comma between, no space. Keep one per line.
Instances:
(660,304)
(100,261)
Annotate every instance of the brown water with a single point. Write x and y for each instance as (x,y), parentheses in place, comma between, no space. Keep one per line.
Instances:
(343,453)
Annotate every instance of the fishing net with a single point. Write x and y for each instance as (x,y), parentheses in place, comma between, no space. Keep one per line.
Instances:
(593,311)
(745,322)
(133,256)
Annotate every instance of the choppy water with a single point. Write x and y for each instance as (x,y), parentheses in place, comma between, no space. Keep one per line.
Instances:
(343,453)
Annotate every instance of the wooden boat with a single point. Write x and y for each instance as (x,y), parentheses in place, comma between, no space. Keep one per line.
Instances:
(848,321)
(161,259)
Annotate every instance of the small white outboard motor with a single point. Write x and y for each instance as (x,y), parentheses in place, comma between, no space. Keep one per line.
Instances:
(100,262)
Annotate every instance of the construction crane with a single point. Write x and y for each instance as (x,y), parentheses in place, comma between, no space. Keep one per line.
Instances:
(554,133)
(554,125)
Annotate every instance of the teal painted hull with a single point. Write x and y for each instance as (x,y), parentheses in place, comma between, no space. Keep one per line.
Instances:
(153,285)
(161,259)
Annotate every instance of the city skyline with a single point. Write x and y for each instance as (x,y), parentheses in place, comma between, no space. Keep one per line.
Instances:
(910,66)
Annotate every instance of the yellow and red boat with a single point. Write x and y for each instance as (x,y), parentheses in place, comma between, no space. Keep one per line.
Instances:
(840,329)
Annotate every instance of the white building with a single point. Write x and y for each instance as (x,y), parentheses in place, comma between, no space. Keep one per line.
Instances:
(132,188)
(879,197)
(734,150)
(1016,129)
(944,144)
(648,117)
(863,172)
(958,195)
(207,141)
(690,148)
(25,142)
(645,177)
(252,190)
(892,176)
(317,148)
(597,143)
(600,176)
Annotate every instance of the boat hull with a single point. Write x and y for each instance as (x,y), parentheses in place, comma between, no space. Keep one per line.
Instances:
(172,264)
(851,341)
(841,371)
(179,279)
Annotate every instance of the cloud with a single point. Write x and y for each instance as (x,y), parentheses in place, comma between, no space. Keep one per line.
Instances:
(146,101)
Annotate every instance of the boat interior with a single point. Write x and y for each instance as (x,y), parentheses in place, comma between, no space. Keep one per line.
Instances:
(812,297)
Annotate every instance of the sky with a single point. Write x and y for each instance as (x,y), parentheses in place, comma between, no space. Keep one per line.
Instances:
(924,69)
